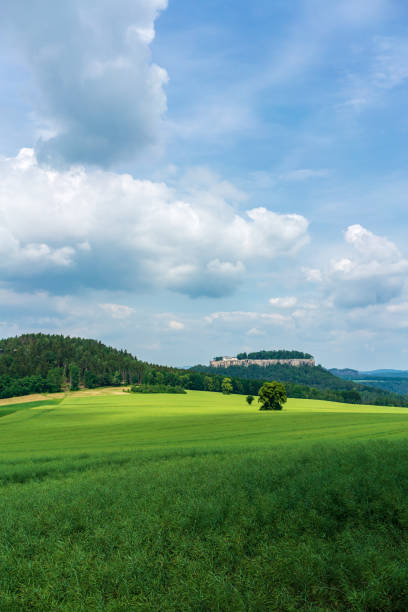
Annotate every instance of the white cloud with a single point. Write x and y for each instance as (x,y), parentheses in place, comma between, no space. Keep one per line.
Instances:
(202,182)
(146,34)
(369,244)
(391,62)
(283,302)
(118,311)
(374,257)
(313,275)
(98,96)
(373,273)
(396,308)
(176,325)
(254,331)
(101,229)
(12,299)
(386,70)
(241,317)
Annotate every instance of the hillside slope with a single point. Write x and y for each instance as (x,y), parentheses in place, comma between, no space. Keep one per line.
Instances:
(41,363)
(36,363)
(314,376)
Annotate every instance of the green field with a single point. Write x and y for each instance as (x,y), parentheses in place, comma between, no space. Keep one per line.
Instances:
(200,502)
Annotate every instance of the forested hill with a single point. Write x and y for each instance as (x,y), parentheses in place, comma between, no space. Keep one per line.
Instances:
(36,363)
(317,382)
(395,381)
(315,377)
(41,363)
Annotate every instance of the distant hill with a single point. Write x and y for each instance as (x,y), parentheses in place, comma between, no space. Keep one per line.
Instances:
(302,378)
(385,373)
(345,373)
(316,377)
(349,374)
(395,381)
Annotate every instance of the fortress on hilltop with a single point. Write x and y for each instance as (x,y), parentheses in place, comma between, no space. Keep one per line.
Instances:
(264,359)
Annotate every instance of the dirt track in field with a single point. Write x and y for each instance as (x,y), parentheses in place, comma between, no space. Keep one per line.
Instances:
(37,397)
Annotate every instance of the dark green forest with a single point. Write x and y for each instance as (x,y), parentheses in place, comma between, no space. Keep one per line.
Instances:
(279,354)
(312,382)
(42,363)
(38,363)
(316,376)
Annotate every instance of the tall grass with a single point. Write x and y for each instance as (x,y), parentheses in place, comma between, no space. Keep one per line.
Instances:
(293,526)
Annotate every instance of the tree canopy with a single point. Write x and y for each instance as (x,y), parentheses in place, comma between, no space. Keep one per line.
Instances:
(277,354)
(38,363)
(226,386)
(272,396)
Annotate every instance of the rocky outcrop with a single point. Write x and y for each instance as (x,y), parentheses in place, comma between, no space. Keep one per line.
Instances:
(227,362)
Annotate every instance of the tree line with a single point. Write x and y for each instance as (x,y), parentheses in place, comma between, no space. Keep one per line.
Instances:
(41,363)
(310,383)
(278,354)
(209,381)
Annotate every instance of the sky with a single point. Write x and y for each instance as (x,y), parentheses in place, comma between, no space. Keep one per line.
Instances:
(188,179)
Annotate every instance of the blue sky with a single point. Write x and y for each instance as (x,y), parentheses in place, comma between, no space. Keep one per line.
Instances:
(188,179)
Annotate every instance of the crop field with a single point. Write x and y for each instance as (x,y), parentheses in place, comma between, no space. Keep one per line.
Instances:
(118,501)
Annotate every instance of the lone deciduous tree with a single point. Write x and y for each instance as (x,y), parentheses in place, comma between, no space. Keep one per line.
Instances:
(250,399)
(272,396)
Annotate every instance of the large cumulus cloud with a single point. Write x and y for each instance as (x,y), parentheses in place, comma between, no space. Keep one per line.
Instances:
(63,229)
(371,271)
(99,96)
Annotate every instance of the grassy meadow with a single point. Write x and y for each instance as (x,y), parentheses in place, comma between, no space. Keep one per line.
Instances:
(117,501)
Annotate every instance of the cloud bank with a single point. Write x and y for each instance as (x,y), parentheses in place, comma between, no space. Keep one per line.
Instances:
(62,230)
(99,96)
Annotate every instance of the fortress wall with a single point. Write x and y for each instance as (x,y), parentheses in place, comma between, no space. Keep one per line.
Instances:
(226,363)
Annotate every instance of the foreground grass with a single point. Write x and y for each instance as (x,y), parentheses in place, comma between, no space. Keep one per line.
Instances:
(199,502)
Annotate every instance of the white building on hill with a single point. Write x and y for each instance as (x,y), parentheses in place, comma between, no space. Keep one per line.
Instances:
(226,362)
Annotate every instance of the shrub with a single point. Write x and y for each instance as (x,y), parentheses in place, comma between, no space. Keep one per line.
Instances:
(156,389)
